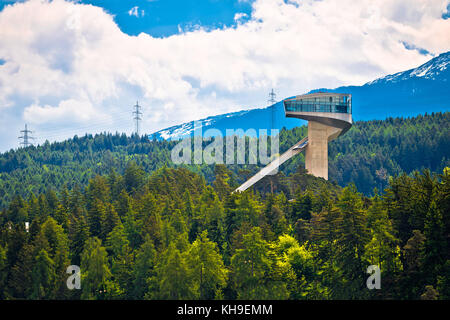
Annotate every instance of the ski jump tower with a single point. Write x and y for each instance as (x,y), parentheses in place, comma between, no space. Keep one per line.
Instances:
(329,115)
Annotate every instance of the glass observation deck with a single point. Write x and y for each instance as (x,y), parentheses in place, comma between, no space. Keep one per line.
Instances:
(320,102)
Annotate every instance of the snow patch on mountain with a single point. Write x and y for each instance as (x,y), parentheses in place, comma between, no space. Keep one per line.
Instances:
(407,93)
(187,129)
(431,70)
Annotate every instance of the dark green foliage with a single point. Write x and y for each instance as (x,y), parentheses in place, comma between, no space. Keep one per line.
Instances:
(150,231)
(367,155)
(43,276)
(168,244)
(144,269)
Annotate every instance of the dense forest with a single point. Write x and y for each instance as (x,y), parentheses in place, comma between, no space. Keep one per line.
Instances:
(141,228)
(170,235)
(367,156)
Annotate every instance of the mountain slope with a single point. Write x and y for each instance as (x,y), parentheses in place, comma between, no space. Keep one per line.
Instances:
(395,145)
(408,93)
(246,119)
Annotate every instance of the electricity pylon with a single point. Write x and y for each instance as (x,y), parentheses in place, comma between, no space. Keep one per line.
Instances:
(271,102)
(137,113)
(26,137)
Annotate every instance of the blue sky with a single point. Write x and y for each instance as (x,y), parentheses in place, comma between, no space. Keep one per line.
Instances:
(162,18)
(71,67)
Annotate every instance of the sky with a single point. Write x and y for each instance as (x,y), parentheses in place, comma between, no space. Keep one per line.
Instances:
(71,67)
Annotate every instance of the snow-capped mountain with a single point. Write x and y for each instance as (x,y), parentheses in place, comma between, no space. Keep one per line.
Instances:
(408,93)
(187,128)
(246,119)
(435,69)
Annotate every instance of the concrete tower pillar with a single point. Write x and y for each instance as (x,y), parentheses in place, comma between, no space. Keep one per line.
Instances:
(316,155)
(329,115)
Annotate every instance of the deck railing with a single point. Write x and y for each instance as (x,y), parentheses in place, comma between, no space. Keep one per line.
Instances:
(307,106)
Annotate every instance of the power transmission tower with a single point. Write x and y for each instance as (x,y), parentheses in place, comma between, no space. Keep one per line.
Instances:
(271,102)
(137,113)
(26,137)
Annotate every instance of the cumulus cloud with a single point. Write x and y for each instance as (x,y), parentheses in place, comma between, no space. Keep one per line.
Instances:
(238,17)
(136,12)
(70,111)
(64,60)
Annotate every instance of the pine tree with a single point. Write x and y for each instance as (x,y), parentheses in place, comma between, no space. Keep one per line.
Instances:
(123,204)
(383,249)
(18,210)
(249,266)
(429,294)
(222,178)
(121,258)
(20,275)
(215,221)
(43,276)
(351,239)
(435,243)
(188,204)
(133,177)
(111,220)
(153,226)
(276,223)
(96,218)
(98,189)
(95,271)
(414,255)
(144,269)
(205,263)
(133,229)
(302,206)
(3,272)
(443,201)
(78,236)
(175,280)
(58,251)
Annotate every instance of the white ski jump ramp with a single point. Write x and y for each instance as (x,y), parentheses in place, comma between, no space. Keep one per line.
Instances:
(267,170)
(329,115)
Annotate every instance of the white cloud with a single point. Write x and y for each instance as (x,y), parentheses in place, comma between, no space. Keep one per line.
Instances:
(68,61)
(136,12)
(67,112)
(239,16)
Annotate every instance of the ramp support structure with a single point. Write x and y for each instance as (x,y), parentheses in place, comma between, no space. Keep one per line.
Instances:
(329,115)
(271,167)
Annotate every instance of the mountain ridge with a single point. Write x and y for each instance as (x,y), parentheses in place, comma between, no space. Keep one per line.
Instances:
(424,89)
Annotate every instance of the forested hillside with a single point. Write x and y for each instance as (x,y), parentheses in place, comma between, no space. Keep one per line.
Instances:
(169,235)
(394,145)
(367,155)
(140,229)
(408,93)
